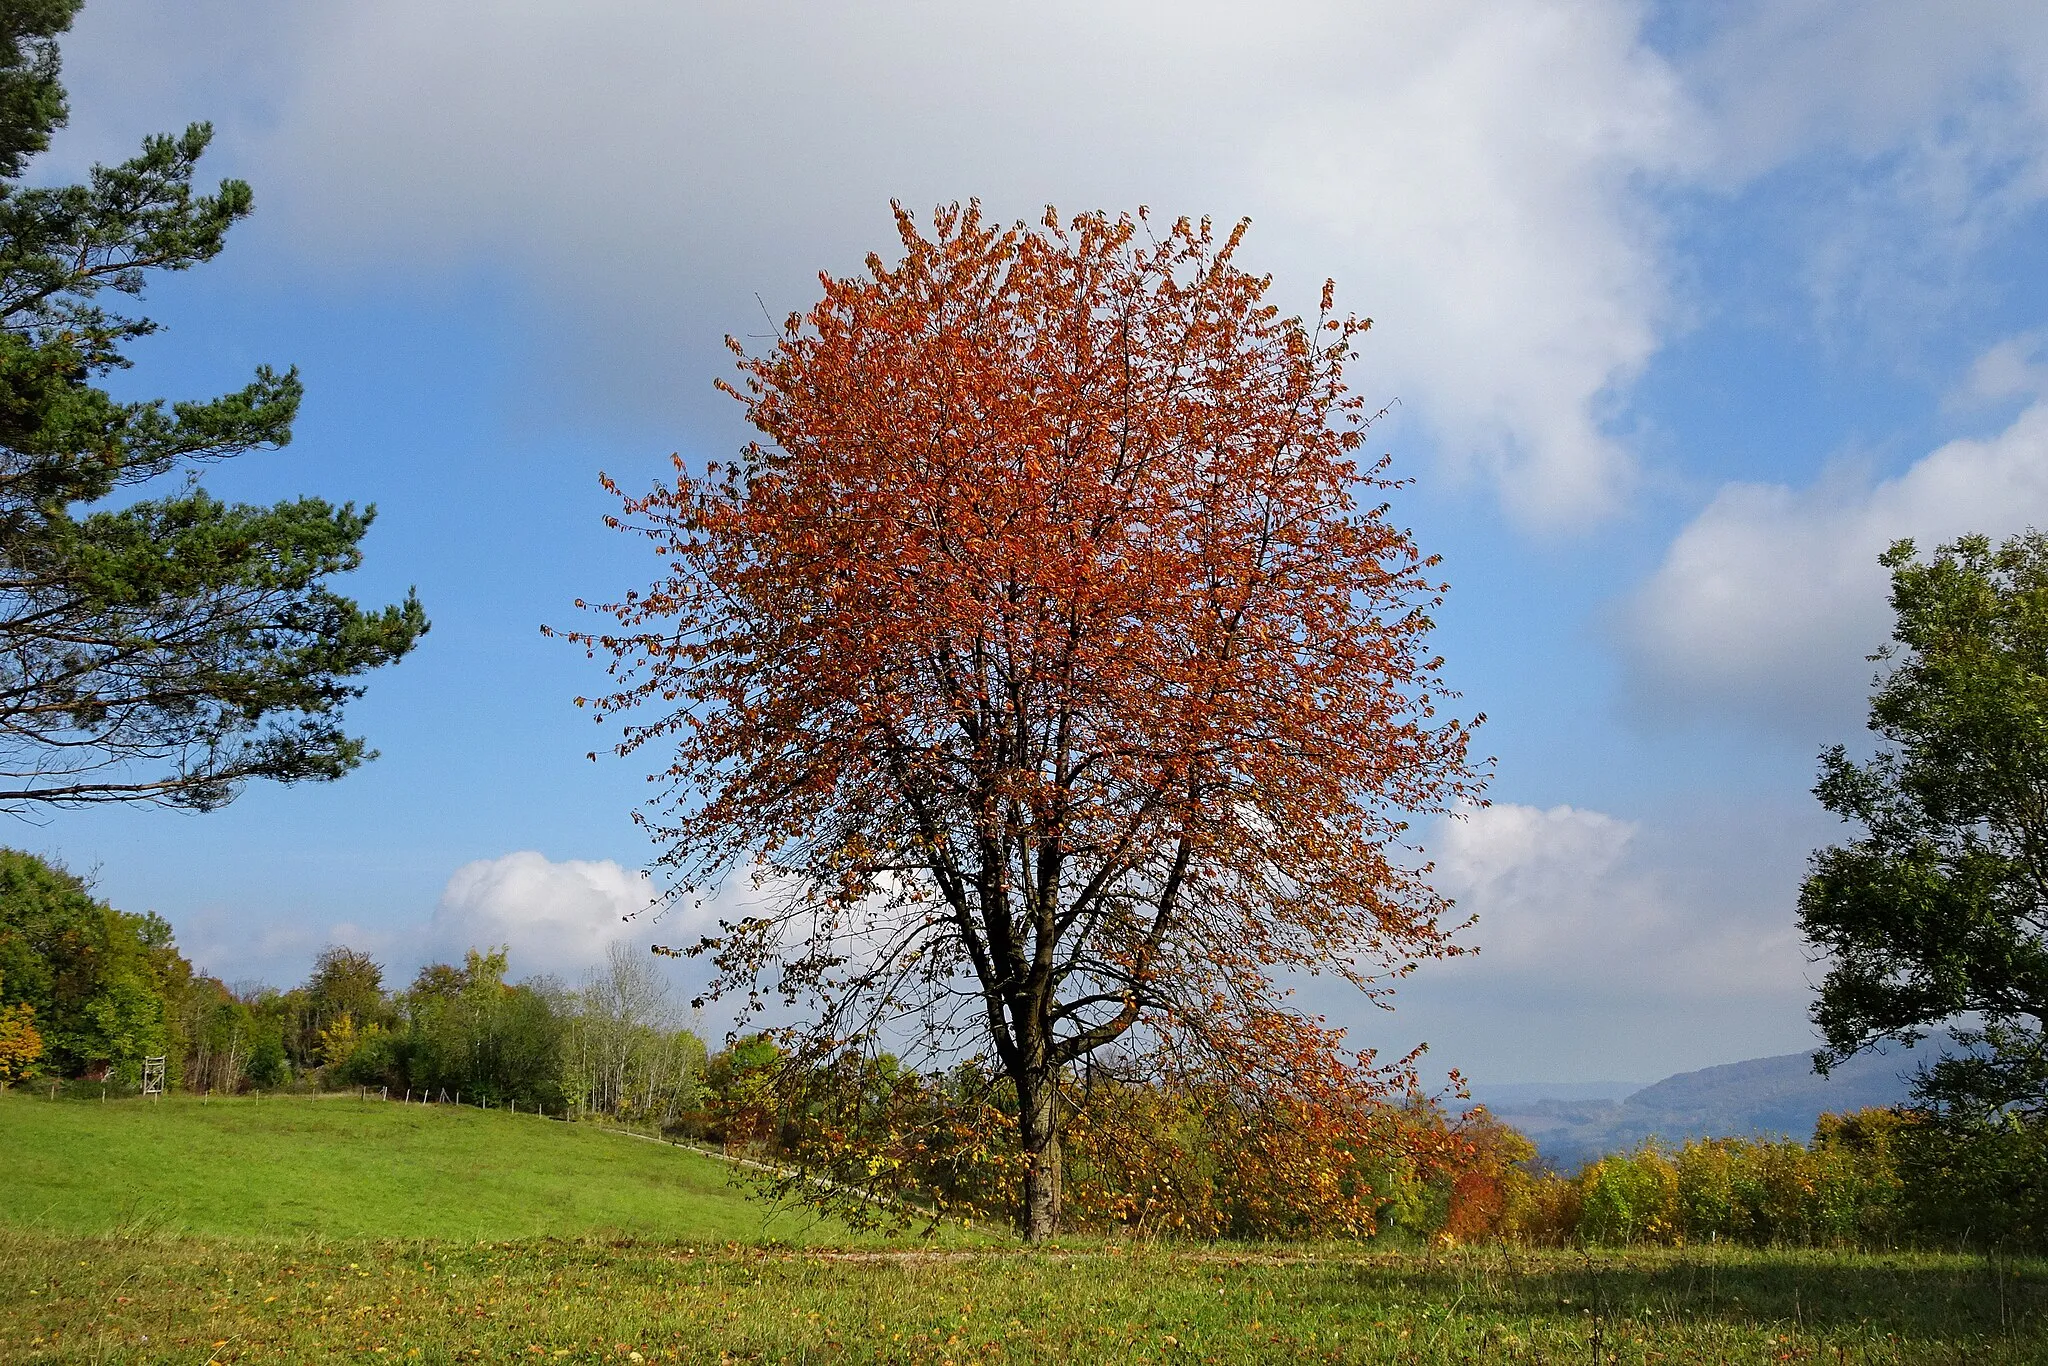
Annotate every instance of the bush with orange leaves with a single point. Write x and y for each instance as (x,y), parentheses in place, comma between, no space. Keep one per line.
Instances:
(1193,1156)
(1486,1172)
(1208,1164)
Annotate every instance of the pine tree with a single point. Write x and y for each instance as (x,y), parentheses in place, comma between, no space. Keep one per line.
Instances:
(167,648)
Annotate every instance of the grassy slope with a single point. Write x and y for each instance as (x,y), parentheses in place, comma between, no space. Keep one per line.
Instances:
(345,1168)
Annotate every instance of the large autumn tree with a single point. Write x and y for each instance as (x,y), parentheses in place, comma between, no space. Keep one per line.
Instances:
(1043,666)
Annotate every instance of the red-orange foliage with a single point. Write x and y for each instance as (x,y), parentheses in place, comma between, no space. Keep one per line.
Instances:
(1043,665)
(1487,1163)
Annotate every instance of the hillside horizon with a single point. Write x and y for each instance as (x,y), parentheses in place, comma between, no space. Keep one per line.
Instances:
(1775,1096)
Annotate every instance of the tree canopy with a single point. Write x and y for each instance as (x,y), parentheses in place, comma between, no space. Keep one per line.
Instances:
(97,983)
(1939,911)
(171,647)
(1044,669)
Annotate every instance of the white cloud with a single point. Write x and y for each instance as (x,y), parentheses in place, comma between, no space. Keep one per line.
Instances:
(2011,369)
(1469,172)
(556,917)
(1576,901)
(1487,180)
(1501,228)
(1918,135)
(1612,948)
(1866,77)
(1770,600)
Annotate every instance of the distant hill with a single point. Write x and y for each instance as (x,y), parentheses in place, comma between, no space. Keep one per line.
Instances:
(1507,1095)
(1763,1097)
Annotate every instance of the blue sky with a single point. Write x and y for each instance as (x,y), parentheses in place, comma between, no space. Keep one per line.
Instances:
(1686,316)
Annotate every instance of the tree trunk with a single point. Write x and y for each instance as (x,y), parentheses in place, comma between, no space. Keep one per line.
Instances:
(1038,1126)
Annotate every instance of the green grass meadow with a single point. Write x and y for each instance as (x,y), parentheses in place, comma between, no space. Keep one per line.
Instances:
(338,1167)
(303,1230)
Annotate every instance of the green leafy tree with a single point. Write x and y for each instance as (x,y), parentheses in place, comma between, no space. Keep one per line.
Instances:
(102,983)
(169,649)
(339,1003)
(267,1065)
(1939,913)
(346,981)
(626,1054)
(470,1031)
(216,1031)
(377,1060)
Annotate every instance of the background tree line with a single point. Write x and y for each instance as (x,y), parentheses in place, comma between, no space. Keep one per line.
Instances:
(615,1045)
(87,992)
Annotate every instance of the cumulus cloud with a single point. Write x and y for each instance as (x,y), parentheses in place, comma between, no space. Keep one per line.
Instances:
(556,917)
(1574,899)
(1501,229)
(2013,368)
(1471,173)
(1490,181)
(1611,948)
(1769,601)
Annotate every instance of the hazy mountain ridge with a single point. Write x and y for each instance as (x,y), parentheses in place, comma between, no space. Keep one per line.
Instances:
(1761,1097)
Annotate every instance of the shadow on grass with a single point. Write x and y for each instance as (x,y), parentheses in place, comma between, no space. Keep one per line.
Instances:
(1912,1295)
